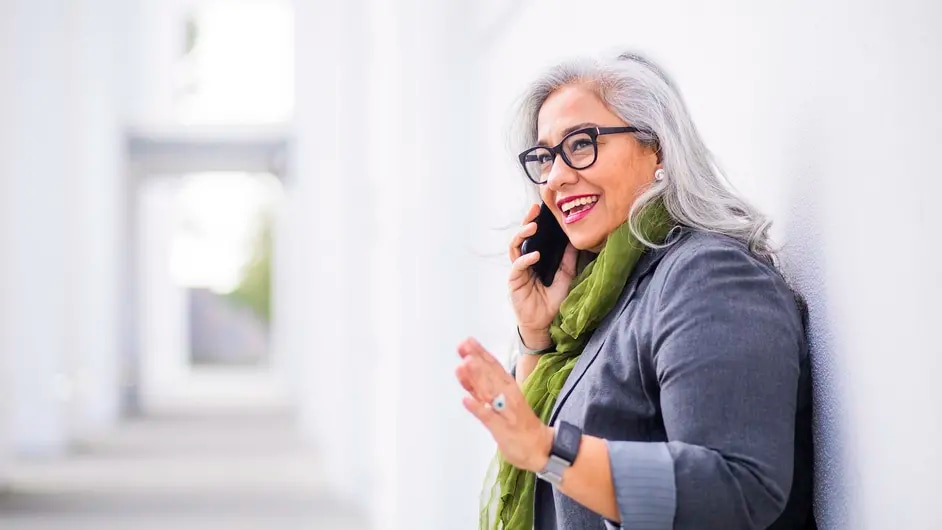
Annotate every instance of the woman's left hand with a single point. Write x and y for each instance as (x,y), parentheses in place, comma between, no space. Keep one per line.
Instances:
(522,439)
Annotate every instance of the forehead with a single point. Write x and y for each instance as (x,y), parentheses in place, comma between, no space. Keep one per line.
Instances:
(568,106)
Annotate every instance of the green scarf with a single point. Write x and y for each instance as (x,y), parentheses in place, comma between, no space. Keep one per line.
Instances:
(508,503)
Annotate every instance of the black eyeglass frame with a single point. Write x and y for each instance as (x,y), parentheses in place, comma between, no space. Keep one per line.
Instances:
(558,151)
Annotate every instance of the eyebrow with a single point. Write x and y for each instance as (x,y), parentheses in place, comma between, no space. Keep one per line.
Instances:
(567,130)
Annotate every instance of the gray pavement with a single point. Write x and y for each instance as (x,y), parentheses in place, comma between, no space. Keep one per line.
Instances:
(184,472)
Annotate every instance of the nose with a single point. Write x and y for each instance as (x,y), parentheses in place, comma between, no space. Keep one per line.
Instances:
(560,174)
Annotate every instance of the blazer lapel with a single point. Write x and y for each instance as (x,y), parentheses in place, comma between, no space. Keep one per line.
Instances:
(595,342)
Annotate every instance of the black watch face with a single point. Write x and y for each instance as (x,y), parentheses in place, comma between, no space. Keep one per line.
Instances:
(568,438)
(567,441)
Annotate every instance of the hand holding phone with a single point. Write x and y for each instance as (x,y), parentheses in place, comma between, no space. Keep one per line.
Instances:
(550,241)
(539,281)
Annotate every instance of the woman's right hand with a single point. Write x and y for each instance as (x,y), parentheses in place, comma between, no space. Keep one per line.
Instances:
(535,304)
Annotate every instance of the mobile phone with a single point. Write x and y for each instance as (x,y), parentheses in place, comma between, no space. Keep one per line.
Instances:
(551,241)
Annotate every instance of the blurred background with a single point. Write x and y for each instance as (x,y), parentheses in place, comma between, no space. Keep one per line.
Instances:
(240,240)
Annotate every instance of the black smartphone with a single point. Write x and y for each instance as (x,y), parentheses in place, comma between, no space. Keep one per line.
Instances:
(551,241)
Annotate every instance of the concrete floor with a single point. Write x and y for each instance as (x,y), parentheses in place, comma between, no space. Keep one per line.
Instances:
(184,472)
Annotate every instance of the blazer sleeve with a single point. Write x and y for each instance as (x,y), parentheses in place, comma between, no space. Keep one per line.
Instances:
(726,346)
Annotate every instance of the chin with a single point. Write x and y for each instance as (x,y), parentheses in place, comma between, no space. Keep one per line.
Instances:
(586,243)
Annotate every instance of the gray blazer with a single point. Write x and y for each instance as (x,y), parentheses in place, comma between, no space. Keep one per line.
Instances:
(699,382)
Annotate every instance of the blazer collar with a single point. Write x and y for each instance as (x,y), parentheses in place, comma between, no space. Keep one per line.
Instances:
(594,345)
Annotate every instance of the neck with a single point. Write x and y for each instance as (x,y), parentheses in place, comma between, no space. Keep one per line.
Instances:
(584,258)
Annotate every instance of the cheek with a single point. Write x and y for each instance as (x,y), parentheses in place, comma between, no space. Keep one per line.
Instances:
(620,187)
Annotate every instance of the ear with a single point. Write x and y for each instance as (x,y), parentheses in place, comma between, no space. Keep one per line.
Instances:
(653,152)
(655,149)
(657,153)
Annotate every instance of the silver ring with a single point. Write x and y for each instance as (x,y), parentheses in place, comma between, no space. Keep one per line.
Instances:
(499,402)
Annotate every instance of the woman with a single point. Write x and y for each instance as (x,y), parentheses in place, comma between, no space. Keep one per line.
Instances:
(664,381)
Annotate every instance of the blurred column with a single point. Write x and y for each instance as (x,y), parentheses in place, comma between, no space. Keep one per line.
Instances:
(425,139)
(96,212)
(286,303)
(61,188)
(7,134)
(163,326)
(150,30)
(325,323)
(35,211)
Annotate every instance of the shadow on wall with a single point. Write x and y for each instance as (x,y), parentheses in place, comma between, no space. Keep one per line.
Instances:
(803,264)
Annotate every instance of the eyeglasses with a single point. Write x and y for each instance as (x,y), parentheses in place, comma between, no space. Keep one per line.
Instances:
(579,150)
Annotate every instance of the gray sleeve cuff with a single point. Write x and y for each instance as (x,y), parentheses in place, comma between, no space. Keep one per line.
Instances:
(643,476)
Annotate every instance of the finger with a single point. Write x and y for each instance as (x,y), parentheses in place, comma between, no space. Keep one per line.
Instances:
(531,213)
(461,373)
(517,242)
(487,415)
(464,377)
(523,263)
(520,273)
(463,349)
(496,421)
(490,380)
(471,346)
(475,348)
(482,378)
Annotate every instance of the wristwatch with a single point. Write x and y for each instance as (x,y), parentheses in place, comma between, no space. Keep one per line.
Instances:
(566,440)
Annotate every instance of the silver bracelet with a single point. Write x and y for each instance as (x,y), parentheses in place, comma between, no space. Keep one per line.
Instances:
(524,350)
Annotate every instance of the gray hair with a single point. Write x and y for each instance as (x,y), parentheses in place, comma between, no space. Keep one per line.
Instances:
(695,191)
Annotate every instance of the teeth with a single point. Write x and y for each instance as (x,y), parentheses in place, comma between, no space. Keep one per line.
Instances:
(578,202)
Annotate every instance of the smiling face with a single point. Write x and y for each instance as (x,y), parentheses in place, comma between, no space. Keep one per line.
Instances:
(591,203)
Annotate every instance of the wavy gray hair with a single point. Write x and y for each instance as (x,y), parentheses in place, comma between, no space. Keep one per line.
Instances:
(695,191)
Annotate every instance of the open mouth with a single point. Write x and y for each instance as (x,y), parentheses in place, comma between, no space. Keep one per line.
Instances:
(577,207)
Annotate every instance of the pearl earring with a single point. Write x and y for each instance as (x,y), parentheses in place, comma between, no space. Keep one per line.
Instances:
(659,175)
